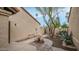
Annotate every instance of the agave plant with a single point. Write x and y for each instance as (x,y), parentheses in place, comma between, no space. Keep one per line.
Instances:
(67,38)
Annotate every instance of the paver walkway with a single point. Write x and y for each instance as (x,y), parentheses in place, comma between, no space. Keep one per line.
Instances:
(20,46)
(27,46)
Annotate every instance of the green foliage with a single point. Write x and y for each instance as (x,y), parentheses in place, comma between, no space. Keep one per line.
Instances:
(53,18)
(66,37)
(50,12)
(57,23)
(64,25)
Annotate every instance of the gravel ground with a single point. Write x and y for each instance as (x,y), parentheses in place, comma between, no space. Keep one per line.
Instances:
(46,46)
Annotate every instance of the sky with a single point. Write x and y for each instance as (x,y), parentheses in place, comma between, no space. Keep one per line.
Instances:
(39,18)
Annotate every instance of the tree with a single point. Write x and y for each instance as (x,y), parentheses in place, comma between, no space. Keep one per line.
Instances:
(52,14)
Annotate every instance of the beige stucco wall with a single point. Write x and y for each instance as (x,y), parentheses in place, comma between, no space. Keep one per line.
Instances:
(4,18)
(25,25)
(74,25)
(3,31)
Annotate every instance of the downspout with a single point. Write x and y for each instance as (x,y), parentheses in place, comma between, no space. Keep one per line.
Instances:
(9,39)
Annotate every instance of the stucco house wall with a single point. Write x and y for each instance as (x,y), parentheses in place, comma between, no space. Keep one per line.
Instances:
(22,24)
(74,25)
(4,28)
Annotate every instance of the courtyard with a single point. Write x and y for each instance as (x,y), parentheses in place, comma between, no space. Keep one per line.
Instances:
(38,29)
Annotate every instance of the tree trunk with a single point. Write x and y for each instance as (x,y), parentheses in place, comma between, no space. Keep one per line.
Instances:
(53,32)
